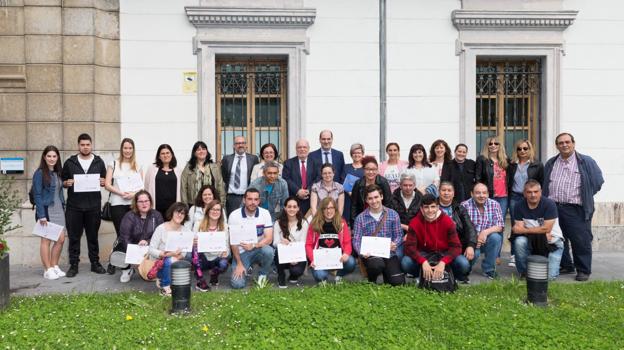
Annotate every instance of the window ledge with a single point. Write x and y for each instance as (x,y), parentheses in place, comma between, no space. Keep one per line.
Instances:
(250,17)
(512,20)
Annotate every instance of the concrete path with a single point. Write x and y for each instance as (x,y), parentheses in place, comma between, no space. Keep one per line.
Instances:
(29,281)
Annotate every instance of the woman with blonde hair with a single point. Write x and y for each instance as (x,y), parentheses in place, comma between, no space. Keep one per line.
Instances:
(125,166)
(215,263)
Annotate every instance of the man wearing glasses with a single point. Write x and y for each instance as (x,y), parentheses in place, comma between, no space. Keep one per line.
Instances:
(236,170)
(572,180)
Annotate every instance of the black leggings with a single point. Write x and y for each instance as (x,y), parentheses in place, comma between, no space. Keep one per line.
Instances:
(390,268)
(296,270)
(117,213)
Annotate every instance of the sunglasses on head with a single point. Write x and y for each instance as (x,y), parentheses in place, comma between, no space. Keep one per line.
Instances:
(522,149)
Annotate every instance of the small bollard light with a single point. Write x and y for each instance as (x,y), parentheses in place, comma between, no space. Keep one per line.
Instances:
(181,287)
(537,280)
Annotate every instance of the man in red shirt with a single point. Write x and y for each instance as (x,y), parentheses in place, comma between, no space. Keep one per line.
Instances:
(432,241)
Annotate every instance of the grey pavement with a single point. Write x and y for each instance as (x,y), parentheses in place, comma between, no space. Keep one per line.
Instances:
(29,281)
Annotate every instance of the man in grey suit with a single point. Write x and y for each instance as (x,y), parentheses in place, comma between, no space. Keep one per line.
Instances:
(236,170)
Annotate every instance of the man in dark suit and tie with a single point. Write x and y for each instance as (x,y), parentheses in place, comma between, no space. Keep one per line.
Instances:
(326,154)
(300,173)
(236,170)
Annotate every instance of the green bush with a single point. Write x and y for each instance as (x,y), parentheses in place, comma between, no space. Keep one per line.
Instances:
(349,316)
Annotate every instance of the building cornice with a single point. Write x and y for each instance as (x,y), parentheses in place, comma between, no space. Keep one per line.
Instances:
(250,17)
(512,20)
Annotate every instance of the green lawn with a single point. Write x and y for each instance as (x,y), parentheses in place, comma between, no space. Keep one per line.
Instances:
(350,316)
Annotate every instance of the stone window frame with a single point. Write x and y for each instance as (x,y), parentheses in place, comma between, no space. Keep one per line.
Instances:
(517,34)
(270,32)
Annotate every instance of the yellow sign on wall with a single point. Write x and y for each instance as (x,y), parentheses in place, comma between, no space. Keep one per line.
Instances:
(189,82)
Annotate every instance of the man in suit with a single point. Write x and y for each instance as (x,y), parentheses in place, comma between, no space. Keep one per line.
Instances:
(326,154)
(300,173)
(236,170)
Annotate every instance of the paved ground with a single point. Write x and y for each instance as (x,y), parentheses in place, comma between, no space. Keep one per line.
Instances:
(29,281)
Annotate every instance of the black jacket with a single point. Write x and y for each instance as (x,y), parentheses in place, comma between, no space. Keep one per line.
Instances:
(484,172)
(451,172)
(358,200)
(535,171)
(132,230)
(465,228)
(83,200)
(405,214)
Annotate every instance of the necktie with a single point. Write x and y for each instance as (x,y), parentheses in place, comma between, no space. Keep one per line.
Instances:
(326,157)
(237,172)
(304,176)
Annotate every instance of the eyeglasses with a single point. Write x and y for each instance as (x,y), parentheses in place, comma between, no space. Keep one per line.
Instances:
(215,210)
(370,169)
(330,208)
(494,143)
(522,149)
(143,202)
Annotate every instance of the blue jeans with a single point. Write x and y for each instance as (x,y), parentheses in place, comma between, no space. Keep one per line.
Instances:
(504,204)
(491,248)
(523,250)
(164,274)
(577,233)
(262,256)
(347,267)
(461,267)
(514,200)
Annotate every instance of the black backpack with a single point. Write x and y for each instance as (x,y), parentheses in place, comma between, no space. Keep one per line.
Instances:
(447,284)
(31,197)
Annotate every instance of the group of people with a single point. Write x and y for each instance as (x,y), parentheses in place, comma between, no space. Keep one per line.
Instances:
(440,212)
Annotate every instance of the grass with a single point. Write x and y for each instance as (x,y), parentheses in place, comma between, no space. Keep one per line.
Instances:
(349,316)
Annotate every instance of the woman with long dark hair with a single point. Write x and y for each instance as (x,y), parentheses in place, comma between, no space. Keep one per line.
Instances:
(439,155)
(199,171)
(291,227)
(461,173)
(427,180)
(50,205)
(162,180)
(392,168)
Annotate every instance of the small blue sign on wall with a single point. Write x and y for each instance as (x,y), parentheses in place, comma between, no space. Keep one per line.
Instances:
(12,165)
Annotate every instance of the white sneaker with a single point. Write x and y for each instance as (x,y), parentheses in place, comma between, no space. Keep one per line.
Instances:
(50,274)
(58,271)
(512,261)
(262,279)
(338,279)
(126,275)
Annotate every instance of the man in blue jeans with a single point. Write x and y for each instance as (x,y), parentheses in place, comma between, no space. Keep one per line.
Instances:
(536,230)
(246,254)
(487,217)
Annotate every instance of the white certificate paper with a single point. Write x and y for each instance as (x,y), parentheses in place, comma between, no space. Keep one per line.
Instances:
(135,253)
(211,242)
(87,183)
(243,233)
(327,259)
(179,240)
(131,183)
(376,246)
(291,253)
(51,231)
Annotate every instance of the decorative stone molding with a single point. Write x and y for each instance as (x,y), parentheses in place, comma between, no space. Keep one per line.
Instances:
(12,78)
(250,17)
(513,20)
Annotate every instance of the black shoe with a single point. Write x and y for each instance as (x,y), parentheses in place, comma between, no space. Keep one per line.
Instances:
(566,270)
(98,268)
(281,280)
(110,269)
(214,279)
(582,277)
(202,286)
(72,272)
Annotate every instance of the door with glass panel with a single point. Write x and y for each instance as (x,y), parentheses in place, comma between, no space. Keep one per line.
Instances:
(508,95)
(251,102)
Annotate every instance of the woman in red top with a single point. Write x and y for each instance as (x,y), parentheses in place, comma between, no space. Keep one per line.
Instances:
(328,230)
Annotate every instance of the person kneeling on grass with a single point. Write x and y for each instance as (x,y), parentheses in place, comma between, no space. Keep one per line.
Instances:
(329,230)
(290,227)
(216,262)
(536,230)
(137,227)
(379,221)
(432,242)
(176,215)
(246,254)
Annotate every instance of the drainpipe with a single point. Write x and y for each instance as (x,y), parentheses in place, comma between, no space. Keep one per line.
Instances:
(382,79)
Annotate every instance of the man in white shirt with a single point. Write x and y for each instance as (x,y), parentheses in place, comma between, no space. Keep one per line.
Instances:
(246,254)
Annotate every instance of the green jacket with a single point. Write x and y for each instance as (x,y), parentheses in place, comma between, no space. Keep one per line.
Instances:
(193,180)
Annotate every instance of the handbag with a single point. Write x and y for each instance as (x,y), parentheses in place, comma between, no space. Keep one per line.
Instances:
(145,266)
(107,214)
(447,284)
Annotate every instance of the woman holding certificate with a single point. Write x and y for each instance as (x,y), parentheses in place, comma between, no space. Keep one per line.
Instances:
(328,243)
(50,203)
(327,187)
(206,194)
(199,171)
(216,262)
(291,227)
(123,179)
(176,215)
(162,180)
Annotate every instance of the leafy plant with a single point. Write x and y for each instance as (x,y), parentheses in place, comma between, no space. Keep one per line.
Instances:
(9,202)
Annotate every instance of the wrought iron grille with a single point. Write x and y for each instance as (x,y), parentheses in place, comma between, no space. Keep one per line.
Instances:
(508,101)
(251,101)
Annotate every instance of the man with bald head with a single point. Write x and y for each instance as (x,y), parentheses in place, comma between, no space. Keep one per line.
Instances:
(300,172)
(326,154)
(236,171)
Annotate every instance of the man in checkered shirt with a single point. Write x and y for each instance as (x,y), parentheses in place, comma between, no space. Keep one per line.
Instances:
(487,217)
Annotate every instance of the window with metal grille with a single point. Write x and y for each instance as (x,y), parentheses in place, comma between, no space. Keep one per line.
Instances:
(251,102)
(508,101)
